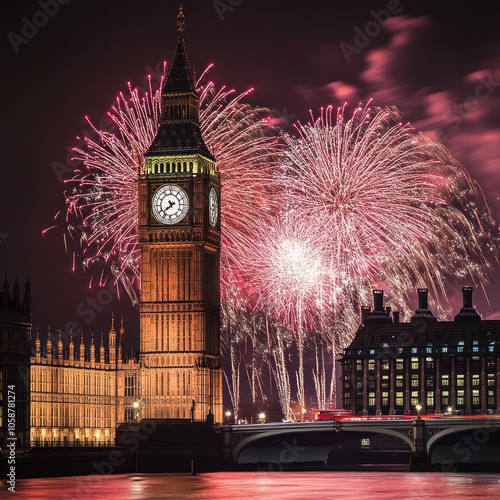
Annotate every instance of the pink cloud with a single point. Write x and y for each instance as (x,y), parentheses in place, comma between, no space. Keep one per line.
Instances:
(342,91)
(386,61)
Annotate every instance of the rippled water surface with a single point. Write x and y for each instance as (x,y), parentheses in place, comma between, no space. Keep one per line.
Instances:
(264,485)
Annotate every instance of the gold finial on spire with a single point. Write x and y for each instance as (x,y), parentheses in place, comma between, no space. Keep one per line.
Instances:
(180,19)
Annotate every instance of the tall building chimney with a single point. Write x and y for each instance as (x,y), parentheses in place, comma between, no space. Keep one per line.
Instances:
(423,311)
(423,302)
(378,300)
(467,296)
(379,313)
(467,313)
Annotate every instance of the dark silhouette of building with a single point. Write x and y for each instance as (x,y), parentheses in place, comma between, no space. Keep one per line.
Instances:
(444,366)
(15,332)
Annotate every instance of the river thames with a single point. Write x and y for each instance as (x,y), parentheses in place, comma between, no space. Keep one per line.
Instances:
(264,484)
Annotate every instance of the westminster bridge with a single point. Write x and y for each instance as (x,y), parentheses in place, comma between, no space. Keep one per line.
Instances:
(446,443)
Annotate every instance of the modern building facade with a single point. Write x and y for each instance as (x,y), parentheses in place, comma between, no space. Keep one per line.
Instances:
(179,238)
(442,366)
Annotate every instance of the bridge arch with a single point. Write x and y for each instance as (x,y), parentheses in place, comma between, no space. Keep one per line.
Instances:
(432,441)
(404,434)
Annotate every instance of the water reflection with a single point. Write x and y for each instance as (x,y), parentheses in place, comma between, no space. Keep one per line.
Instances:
(268,485)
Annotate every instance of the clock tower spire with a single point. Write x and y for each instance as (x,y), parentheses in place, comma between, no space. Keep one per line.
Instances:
(179,237)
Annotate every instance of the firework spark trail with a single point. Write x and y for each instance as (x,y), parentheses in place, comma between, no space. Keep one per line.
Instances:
(282,377)
(104,200)
(366,201)
(246,151)
(355,203)
(102,205)
(319,377)
(393,206)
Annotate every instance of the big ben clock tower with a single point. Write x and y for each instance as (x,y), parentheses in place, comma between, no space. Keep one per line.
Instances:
(179,235)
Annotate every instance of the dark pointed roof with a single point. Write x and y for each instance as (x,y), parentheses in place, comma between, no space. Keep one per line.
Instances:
(179,132)
(180,78)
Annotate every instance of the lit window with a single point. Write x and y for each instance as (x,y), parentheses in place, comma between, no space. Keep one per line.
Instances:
(371,399)
(430,398)
(414,398)
(399,399)
(385,399)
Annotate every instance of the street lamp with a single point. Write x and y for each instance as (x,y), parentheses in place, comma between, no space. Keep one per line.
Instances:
(449,410)
(262,417)
(137,405)
(418,407)
(228,416)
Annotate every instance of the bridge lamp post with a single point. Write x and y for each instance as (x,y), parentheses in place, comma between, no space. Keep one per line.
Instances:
(418,407)
(228,416)
(449,410)
(262,417)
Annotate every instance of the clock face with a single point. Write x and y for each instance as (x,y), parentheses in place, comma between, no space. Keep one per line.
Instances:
(170,204)
(213,207)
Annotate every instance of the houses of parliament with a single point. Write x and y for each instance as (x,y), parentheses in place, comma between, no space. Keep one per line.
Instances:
(69,391)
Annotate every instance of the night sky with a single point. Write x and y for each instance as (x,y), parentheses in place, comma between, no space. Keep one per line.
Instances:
(438,62)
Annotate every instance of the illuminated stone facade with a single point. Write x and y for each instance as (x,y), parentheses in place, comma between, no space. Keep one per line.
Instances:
(78,395)
(179,234)
(444,366)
